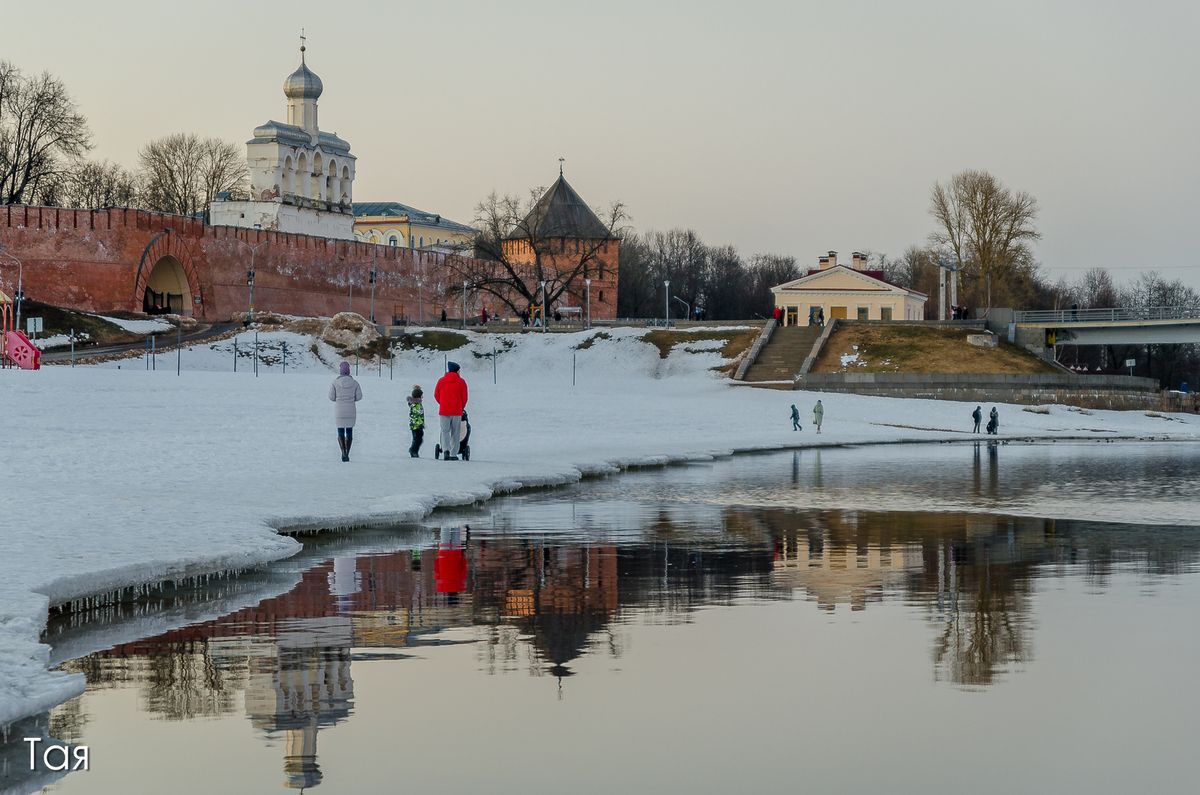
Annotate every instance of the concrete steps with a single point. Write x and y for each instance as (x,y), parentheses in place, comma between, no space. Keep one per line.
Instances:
(783,356)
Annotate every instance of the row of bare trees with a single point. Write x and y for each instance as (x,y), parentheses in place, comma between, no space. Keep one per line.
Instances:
(44,140)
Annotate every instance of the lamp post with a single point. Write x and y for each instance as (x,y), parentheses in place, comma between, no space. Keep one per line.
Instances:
(686,306)
(588,283)
(372,279)
(667,301)
(543,306)
(464,318)
(19,298)
(250,282)
(250,287)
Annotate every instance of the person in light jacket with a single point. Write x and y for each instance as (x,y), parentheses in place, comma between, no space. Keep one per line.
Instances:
(345,392)
(818,415)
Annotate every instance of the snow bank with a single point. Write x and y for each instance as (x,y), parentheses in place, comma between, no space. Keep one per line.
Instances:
(122,476)
(139,326)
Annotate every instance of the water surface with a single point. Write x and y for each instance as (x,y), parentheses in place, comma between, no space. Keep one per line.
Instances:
(917,619)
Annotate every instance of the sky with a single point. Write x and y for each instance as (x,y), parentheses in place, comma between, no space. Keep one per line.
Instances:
(783,127)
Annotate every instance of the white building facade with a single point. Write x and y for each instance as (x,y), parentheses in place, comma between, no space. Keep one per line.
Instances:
(301,179)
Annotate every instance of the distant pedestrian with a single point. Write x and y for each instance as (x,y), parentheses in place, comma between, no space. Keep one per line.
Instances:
(345,392)
(416,421)
(777,313)
(818,415)
(451,396)
(977,415)
(993,426)
(795,418)
(821,316)
(443,315)
(483,316)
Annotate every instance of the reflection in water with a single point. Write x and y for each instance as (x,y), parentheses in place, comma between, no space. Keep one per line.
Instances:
(529,586)
(537,599)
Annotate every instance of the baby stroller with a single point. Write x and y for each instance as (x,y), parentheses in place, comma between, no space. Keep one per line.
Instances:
(464,446)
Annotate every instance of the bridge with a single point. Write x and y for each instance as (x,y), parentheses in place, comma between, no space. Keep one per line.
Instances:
(1160,325)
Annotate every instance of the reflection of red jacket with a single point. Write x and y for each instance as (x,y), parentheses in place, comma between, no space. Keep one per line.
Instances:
(450,571)
(451,395)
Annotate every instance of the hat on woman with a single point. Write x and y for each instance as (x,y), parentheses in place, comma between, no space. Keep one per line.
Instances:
(344,368)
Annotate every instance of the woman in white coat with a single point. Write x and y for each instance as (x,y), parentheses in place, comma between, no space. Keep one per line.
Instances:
(345,392)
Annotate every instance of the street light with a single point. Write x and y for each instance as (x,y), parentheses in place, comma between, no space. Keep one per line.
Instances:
(667,301)
(464,319)
(686,306)
(20,296)
(372,279)
(588,282)
(250,285)
(543,306)
(250,281)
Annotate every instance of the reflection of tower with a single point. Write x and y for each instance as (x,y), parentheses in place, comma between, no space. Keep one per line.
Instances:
(298,685)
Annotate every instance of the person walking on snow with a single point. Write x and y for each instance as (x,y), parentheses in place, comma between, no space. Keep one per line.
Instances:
(977,415)
(416,421)
(795,418)
(345,392)
(451,396)
(993,426)
(818,415)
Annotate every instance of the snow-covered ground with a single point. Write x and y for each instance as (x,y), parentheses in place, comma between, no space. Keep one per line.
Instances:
(116,477)
(152,326)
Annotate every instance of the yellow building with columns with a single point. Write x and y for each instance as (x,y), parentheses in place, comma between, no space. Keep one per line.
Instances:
(396,224)
(841,292)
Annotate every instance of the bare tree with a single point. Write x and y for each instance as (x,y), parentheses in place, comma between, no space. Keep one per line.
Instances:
(514,255)
(986,226)
(182,173)
(94,185)
(41,130)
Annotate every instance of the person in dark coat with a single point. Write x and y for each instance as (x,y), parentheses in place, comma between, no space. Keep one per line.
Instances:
(977,415)
(416,421)
(795,418)
(993,426)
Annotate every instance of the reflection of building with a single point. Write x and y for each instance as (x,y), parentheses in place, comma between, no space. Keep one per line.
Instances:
(396,224)
(838,574)
(301,177)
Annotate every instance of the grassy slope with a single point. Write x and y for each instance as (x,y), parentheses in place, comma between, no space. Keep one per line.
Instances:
(61,321)
(922,349)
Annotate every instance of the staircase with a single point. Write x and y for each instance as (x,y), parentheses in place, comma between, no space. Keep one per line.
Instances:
(781,359)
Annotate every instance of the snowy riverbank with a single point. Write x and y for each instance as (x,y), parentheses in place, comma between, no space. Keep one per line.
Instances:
(118,477)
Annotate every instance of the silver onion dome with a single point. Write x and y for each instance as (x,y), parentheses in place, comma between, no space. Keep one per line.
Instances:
(303,83)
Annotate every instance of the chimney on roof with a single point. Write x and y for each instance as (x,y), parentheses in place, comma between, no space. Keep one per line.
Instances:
(831,260)
(860,261)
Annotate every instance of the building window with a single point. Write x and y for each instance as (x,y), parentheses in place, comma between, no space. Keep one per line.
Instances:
(601,296)
(885,313)
(864,313)
(422,241)
(392,241)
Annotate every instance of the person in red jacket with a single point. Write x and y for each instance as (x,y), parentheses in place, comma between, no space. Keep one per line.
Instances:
(451,396)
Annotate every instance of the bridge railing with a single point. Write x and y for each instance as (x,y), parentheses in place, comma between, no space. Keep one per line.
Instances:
(1125,313)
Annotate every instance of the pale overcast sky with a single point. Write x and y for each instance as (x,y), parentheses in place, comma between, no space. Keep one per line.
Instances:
(789,127)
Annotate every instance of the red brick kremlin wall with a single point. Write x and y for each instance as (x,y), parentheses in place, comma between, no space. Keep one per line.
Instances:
(565,254)
(100,261)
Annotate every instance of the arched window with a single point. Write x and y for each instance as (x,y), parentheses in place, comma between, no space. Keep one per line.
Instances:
(302,176)
(288,188)
(392,241)
(422,241)
(345,191)
(317,180)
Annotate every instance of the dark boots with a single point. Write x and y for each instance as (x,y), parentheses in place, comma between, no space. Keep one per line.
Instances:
(345,441)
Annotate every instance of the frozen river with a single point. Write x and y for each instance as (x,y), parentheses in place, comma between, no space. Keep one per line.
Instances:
(932,618)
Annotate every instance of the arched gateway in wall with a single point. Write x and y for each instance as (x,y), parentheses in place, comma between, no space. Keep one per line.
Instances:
(166,280)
